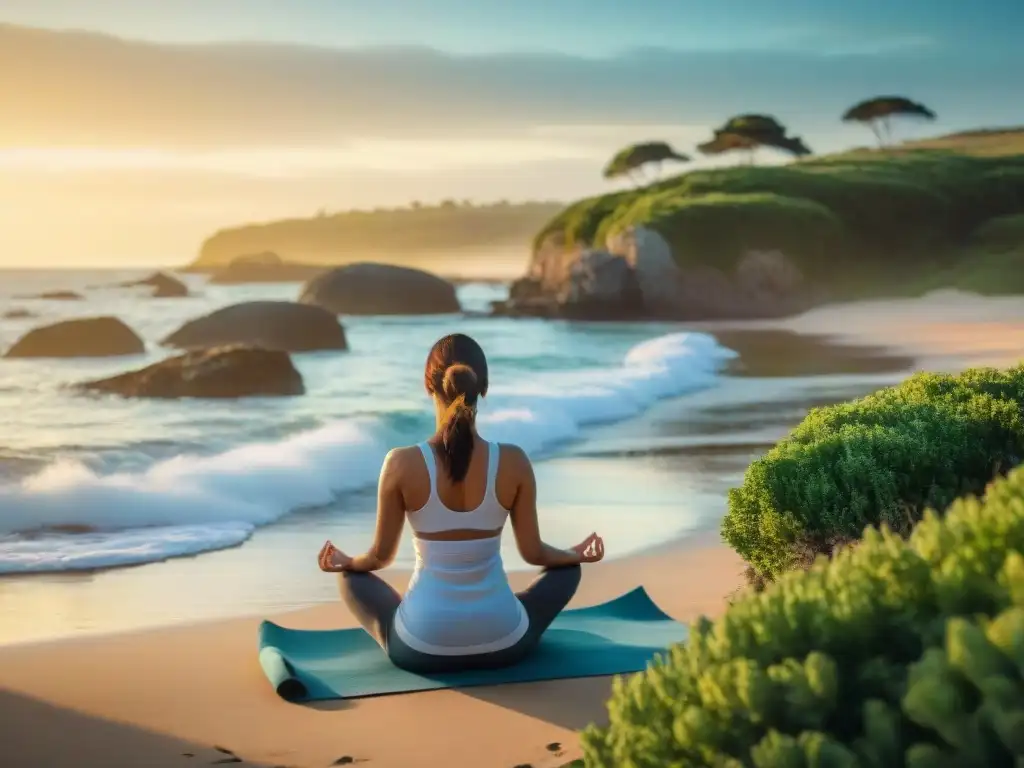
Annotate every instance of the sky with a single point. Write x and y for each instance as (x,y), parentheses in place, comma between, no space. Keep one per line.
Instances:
(144,125)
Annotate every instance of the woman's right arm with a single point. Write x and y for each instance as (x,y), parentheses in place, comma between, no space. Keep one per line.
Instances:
(524,518)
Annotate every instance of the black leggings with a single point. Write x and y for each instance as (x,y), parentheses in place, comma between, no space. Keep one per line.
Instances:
(374,602)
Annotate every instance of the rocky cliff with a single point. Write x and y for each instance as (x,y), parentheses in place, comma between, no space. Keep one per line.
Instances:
(746,242)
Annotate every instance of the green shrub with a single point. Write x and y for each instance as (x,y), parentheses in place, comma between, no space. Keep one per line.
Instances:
(881,459)
(898,652)
(717,229)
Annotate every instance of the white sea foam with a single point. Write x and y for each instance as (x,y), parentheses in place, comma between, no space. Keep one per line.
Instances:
(191,504)
(557,406)
(86,551)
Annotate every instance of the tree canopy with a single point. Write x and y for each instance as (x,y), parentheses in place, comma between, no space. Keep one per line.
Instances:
(748,132)
(878,111)
(632,158)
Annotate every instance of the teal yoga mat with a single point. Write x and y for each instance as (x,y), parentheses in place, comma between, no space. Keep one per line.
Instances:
(616,637)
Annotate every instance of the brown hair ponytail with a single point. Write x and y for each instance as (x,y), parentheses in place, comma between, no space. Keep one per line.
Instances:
(460,389)
(456,373)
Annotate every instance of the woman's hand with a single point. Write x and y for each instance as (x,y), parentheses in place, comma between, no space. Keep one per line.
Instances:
(333,560)
(591,549)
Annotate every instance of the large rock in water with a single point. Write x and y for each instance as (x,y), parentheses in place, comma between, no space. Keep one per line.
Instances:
(381,289)
(57,296)
(281,325)
(238,371)
(82,337)
(600,285)
(562,282)
(164,286)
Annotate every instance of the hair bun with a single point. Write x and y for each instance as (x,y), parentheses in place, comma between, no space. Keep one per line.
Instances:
(460,379)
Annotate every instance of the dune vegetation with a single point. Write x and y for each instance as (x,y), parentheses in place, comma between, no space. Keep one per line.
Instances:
(401,235)
(895,221)
(896,652)
(882,459)
(890,632)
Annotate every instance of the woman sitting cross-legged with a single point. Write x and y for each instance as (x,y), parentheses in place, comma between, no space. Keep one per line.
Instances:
(457,490)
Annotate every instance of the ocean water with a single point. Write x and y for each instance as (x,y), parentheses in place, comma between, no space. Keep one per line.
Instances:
(145,481)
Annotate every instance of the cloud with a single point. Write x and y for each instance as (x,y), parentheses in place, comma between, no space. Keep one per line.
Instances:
(83,89)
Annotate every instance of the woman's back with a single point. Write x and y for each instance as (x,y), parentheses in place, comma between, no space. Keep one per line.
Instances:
(455,510)
(459,600)
(457,491)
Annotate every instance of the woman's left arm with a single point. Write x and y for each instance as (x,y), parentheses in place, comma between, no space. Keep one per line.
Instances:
(390,518)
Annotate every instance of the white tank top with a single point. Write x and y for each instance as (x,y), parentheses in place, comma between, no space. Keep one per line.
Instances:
(459,601)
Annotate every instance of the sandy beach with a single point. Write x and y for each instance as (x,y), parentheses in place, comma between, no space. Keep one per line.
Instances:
(172,696)
(148,698)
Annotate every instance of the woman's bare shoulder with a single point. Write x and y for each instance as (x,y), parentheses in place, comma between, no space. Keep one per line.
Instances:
(513,456)
(402,458)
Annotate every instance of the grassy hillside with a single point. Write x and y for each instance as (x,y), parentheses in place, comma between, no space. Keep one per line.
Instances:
(400,234)
(863,220)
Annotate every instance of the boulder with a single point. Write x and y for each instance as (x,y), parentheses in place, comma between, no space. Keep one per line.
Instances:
(552,261)
(651,285)
(280,325)
(600,286)
(768,273)
(380,289)
(707,293)
(58,296)
(526,298)
(164,286)
(234,371)
(657,273)
(82,337)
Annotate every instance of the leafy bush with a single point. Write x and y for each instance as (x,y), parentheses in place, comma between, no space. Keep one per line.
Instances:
(895,653)
(881,459)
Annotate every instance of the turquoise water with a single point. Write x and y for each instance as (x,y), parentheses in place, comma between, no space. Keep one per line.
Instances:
(201,510)
(149,480)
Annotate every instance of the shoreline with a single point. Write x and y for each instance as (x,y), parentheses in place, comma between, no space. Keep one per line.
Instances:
(702,533)
(691,448)
(150,696)
(192,686)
